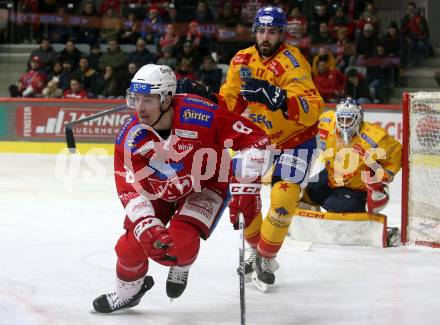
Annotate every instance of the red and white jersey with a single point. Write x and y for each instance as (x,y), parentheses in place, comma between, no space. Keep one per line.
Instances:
(150,170)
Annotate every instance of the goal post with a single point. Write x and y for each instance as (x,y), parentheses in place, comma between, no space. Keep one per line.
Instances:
(421,169)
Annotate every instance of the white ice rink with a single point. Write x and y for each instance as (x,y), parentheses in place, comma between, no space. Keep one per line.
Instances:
(56,246)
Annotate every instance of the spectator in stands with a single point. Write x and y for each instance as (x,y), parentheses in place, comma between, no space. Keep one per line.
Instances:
(131,71)
(94,56)
(167,58)
(107,4)
(28,31)
(66,75)
(195,36)
(203,14)
(320,15)
(368,16)
(210,74)
(46,54)
(75,91)
(141,55)
(130,30)
(52,90)
(151,26)
(31,83)
(329,82)
(87,77)
(356,87)
(391,40)
(85,33)
(70,53)
(367,42)
(110,26)
(415,31)
(296,17)
(169,39)
(171,15)
(341,21)
(342,44)
(379,76)
(323,36)
(228,15)
(190,54)
(324,54)
(114,57)
(110,86)
(55,73)
(185,69)
(59,33)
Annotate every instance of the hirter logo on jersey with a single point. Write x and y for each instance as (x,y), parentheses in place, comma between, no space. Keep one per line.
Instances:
(196,116)
(242,59)
(277,68)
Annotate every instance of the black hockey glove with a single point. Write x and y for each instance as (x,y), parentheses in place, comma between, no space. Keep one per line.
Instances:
(188,86)
(256,90)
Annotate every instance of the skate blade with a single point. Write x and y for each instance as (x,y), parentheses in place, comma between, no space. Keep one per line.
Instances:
(261,286)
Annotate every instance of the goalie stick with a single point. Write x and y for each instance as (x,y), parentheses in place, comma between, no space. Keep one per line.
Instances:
(70,138)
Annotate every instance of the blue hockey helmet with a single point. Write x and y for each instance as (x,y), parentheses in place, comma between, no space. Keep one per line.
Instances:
(271,17)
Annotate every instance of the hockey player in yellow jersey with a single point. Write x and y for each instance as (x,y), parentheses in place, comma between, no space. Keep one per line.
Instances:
(360,160)
(271,84)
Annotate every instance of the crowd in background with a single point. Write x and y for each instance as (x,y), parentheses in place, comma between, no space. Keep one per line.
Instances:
(341,39)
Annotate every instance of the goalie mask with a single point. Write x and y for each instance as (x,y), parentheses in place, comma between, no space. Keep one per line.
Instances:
(349,119)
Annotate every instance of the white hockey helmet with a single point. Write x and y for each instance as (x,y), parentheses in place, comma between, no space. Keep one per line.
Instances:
(152,79)
(349,119)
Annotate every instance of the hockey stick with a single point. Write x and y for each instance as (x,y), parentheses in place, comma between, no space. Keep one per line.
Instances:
(241,268)
(70,138)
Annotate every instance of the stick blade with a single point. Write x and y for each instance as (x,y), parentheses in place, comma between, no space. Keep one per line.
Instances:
(70,139)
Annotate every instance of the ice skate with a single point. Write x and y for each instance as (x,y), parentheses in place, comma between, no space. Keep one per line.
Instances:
(263,276)
(177,280)
(110,302)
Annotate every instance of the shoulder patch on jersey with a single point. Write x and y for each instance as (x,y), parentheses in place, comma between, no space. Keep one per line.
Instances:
(190,115)
(292,58)
(304,104)
(369,140)
(276,67)
(123,130)
(200,101)
(134,136)
(243,58)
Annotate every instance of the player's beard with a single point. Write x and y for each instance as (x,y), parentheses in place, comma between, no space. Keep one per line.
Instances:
(269,49)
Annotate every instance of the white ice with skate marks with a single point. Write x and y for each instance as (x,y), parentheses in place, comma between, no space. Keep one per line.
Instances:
(57,256)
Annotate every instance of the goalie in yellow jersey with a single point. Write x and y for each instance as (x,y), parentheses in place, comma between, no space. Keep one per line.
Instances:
(361,158)
(271,84)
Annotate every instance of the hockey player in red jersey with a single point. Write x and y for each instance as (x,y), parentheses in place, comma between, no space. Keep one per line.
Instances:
(171,172)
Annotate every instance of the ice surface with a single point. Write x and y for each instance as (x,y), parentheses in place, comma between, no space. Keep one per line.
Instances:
(57,239)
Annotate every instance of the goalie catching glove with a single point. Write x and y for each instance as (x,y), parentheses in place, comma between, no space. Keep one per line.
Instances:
(256,90)
(154,238)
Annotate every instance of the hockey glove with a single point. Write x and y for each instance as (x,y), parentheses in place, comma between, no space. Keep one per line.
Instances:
(154,238)
(188,86)
(256,90)
(249,205)
(377,197)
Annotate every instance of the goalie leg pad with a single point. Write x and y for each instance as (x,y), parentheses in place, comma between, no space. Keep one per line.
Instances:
(284,198)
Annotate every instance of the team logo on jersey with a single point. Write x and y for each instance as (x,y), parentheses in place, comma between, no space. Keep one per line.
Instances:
(134,136)
(196,116)
(243,58)
(172,189)
(304,104)
(200,101)
(245,74)
(276,68)
(291,58)
(186,134)
(369,140)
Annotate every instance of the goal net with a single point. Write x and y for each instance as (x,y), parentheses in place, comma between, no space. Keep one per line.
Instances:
(421,169)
